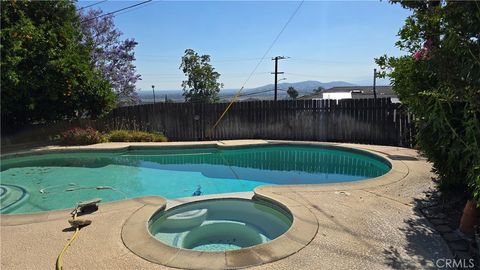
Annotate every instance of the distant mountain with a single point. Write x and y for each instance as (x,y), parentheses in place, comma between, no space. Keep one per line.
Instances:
(305,86)
(262,92)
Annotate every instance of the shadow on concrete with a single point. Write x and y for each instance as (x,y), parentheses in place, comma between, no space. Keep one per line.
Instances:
(69,229)
(402,157)
(425,244)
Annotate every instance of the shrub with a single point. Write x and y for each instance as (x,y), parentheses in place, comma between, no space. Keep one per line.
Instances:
(134,136)
(118,136)
(439,82)
(80,136)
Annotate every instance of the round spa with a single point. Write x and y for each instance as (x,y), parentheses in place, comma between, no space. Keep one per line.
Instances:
(220,224)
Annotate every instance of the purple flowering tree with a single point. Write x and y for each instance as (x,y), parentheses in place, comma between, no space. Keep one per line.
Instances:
(113,56)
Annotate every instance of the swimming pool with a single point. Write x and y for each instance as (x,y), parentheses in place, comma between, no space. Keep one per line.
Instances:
(60,180)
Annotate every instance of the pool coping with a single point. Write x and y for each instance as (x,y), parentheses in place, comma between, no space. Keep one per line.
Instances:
(136,237)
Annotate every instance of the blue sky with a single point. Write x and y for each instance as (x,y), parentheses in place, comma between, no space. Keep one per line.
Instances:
(326,40)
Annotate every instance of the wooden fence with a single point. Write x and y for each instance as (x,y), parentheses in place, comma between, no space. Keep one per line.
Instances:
(350,120)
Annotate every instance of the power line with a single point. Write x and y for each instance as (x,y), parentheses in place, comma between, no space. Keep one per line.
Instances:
(275,40)
(270,90)
(304,75)
(324,61)
(149,4)
(235,60)
(94,4)
(256,93)
(258,64)
(181,76)
(177,58)
(116,11)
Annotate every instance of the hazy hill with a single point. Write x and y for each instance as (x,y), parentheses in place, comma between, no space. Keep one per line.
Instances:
(262,92)
(305,86)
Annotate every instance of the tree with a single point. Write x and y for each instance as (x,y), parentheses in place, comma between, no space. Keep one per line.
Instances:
(202,83)
(292,92)
(111,55)
(318,90)
(46,74)
(439,81)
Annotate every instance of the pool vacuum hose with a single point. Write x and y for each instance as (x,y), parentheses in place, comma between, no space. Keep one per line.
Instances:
(82,207)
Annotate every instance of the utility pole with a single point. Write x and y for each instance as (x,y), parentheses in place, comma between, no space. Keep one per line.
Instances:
(374,84)
(153,90)
(276,58)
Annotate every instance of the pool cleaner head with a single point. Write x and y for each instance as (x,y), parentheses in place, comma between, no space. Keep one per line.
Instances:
(86,207)
(198,192)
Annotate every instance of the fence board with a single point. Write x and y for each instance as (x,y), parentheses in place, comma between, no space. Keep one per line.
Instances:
(355,121)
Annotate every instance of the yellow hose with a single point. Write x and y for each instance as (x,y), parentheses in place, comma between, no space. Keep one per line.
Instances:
(210,131)
(60,256)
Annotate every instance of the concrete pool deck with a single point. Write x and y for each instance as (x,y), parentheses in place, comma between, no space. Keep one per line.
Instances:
(371,224)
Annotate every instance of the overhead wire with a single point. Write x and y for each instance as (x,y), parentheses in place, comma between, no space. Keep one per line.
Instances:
(303,75)
(178,75)
(176,58)
(255,68)
(270,90)
(295,59)
(116,11)
(148,4)
(94,4)
(256,93)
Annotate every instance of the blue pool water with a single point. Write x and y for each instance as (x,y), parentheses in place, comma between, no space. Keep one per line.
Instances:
(58,181)
(220,224)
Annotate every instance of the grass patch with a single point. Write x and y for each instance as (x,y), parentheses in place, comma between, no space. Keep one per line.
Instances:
(134,136)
